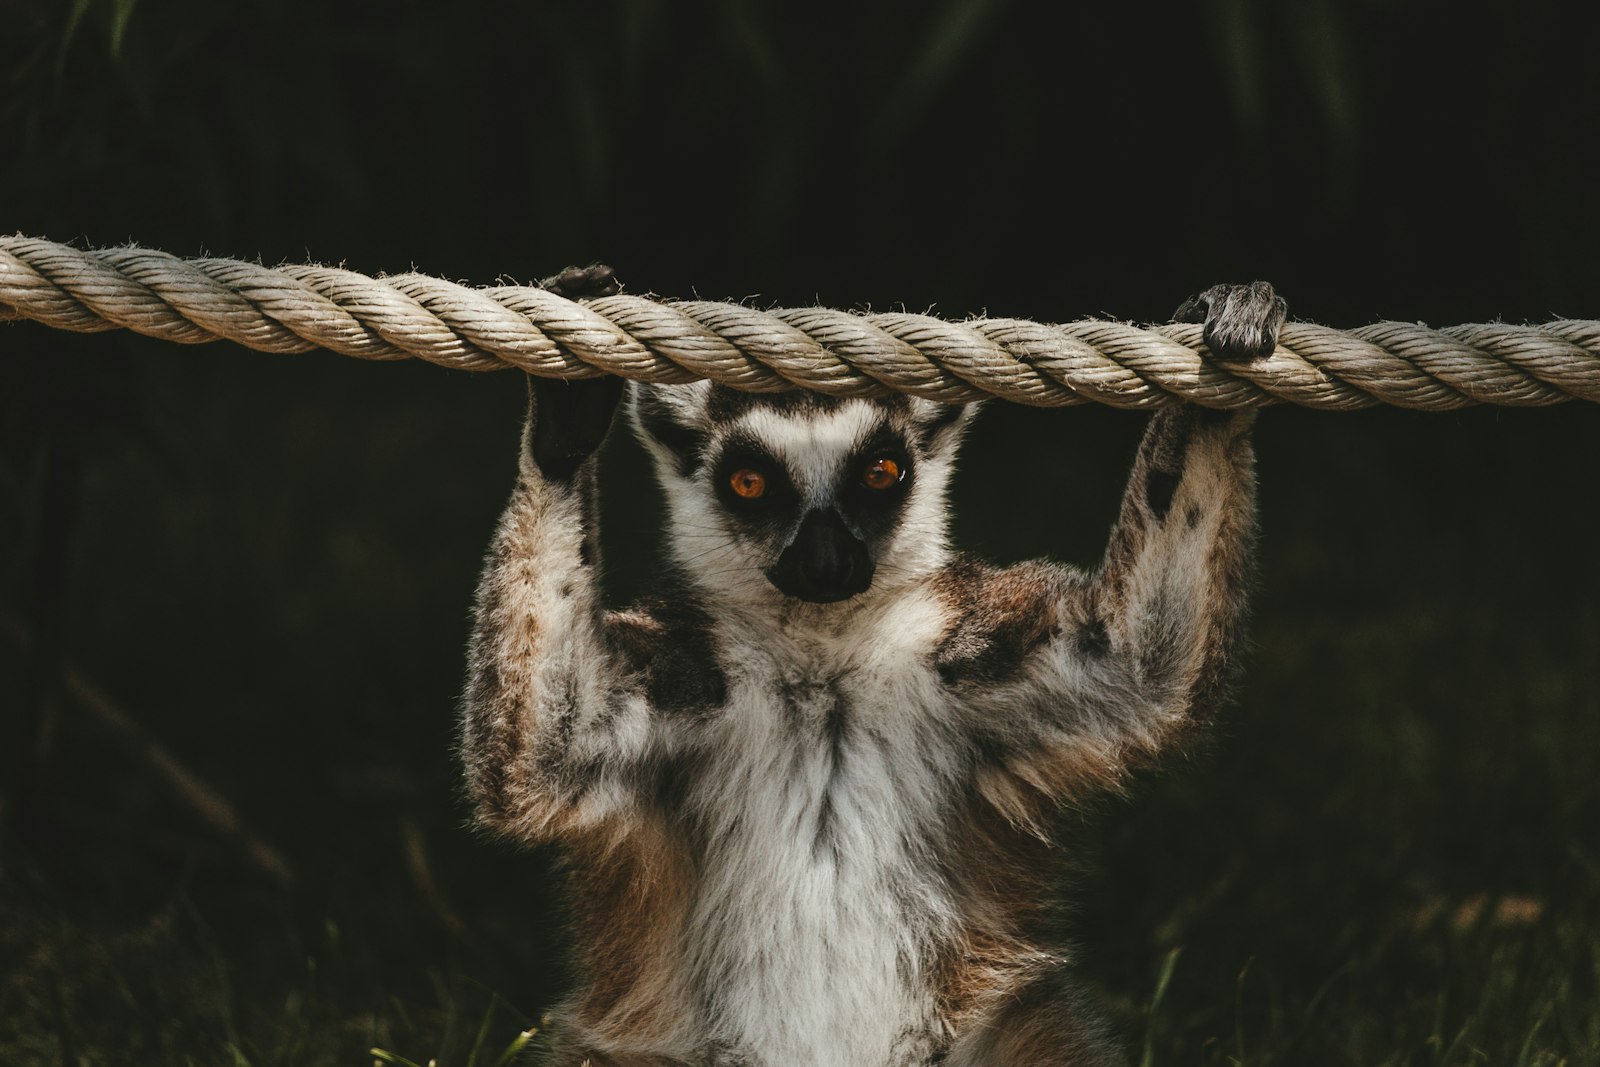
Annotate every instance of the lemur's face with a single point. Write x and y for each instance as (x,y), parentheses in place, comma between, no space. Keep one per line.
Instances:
(816,496)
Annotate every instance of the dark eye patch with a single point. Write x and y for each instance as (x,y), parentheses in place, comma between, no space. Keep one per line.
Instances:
(874,511)
(777,507)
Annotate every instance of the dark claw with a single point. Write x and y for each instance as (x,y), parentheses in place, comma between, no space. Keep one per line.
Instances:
(570,421)
(1241,321)
(583,283)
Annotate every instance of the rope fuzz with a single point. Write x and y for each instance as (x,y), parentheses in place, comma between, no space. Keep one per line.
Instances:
(298,308)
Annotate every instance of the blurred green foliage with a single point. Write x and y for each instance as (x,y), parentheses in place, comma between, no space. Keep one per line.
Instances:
(1390,856)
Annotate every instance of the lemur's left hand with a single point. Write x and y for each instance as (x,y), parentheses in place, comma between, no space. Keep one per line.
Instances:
(1242,321)
(571,418)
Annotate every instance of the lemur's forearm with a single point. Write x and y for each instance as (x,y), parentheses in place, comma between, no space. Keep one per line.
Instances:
(535,625)
(546,709)
(1124,659)
(1172,589)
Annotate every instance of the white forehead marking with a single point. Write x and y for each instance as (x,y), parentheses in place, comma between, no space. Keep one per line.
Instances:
(813,444)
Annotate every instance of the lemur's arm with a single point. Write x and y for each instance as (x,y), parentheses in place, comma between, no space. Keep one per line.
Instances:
(1105,669)
(553,718)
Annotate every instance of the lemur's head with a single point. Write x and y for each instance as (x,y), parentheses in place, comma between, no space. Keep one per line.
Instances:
(822,498)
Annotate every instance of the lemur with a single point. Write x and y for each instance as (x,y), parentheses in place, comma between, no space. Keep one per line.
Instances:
(804,790)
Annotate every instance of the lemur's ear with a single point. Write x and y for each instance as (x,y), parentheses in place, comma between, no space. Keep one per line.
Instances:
(671,421)
(940,427)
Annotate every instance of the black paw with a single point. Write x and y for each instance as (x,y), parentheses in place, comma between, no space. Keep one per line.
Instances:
(570,421)
(583,283)
(1242,321)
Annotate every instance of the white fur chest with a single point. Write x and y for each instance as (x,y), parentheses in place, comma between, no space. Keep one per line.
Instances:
(816,904)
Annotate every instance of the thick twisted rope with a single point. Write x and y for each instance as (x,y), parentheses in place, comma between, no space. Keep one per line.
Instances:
(298,308)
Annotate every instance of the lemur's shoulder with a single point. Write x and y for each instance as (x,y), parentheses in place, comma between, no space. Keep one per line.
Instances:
(665,639)
(998,615)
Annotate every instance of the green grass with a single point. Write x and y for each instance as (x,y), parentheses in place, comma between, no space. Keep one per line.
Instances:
(1502,982)
(166,993)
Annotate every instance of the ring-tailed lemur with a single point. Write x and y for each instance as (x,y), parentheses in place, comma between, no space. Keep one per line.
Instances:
(805,790)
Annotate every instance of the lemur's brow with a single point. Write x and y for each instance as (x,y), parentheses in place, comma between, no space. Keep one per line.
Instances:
(810,438)
(743,447)
(885,439)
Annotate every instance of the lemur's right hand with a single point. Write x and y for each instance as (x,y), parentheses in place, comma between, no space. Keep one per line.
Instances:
(1242,321)
(571,418)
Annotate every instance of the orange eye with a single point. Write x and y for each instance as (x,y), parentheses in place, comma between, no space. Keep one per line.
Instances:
(881,474)
(747,483)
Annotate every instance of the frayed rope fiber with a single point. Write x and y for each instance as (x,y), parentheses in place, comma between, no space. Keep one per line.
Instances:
(299,308)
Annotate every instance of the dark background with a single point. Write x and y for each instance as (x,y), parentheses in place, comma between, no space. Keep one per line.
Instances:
(255,571)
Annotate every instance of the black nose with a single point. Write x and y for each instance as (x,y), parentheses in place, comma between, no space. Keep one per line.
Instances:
(824,563)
